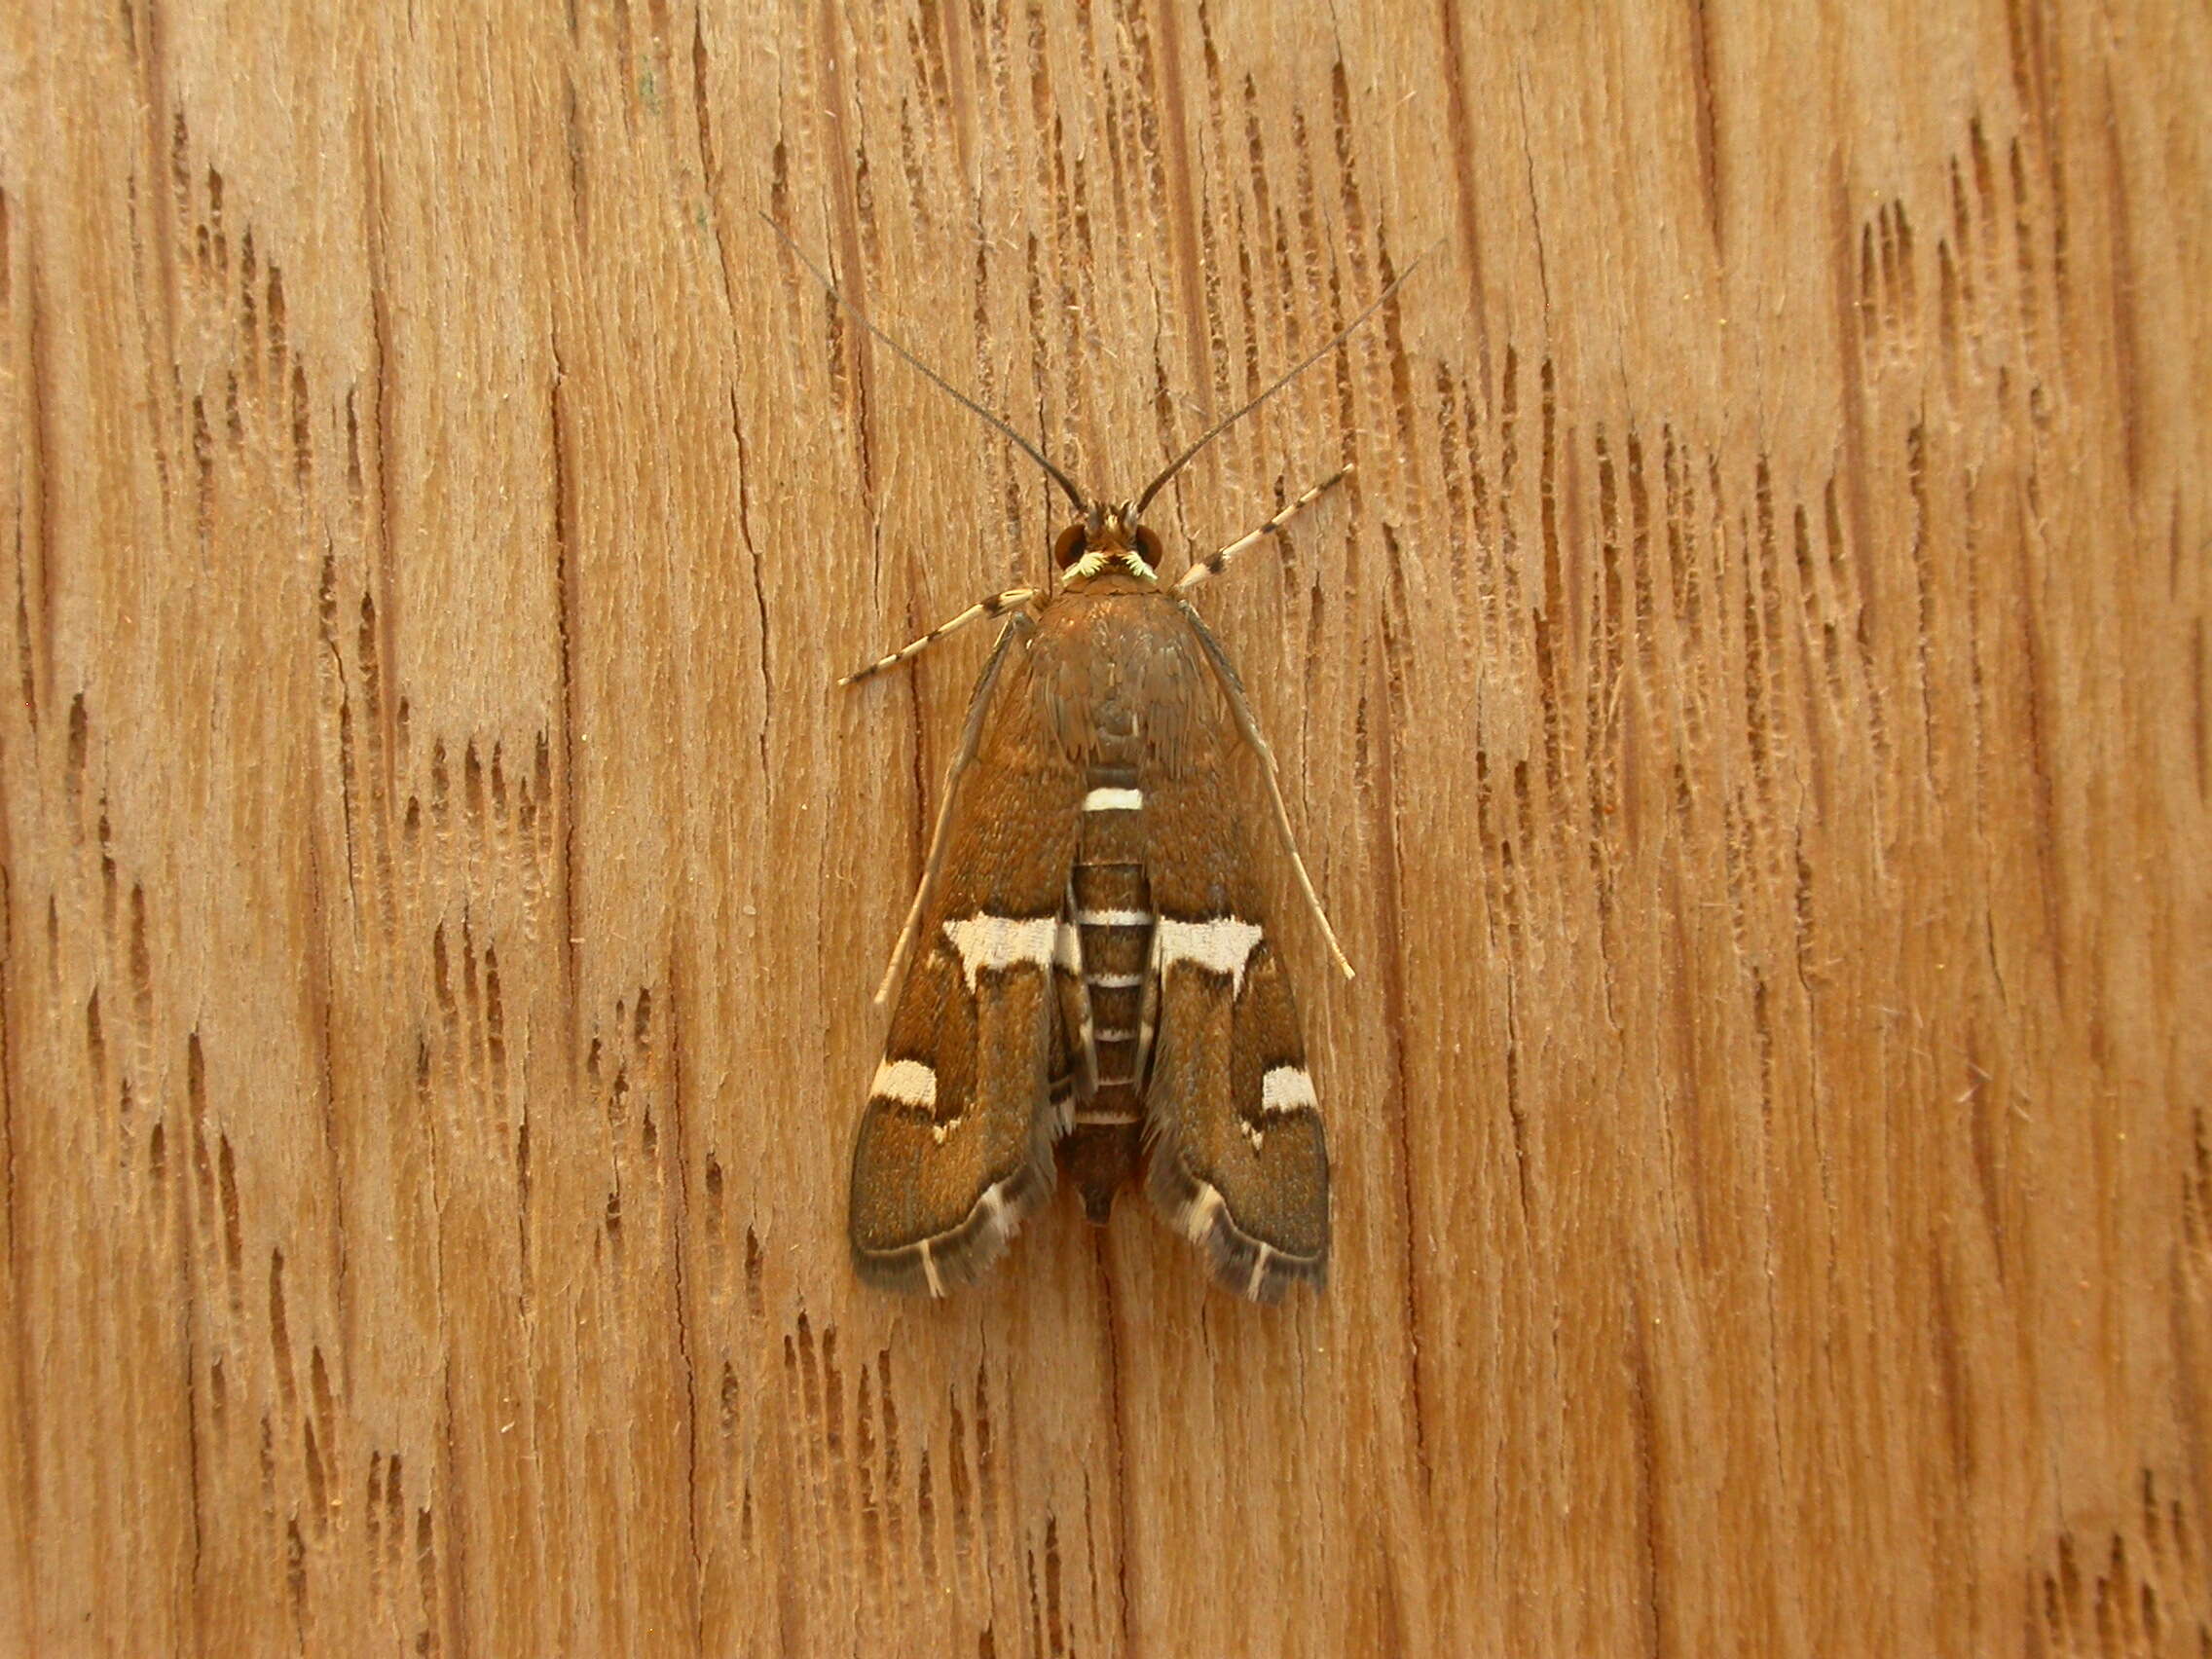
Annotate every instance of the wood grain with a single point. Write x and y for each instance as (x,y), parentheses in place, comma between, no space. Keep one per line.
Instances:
(1748,720)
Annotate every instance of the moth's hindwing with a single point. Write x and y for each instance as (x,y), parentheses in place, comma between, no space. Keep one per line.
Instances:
(1240,1166)
(955,1145)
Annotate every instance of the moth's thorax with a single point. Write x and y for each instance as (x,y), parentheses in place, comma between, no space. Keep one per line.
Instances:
(1116,677)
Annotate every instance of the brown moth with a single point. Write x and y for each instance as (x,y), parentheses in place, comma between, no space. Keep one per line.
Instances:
(1088,979)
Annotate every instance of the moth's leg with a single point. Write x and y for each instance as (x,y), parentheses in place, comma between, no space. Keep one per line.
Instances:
(1234,689)
(998,604)
(971,734)
(1219,562)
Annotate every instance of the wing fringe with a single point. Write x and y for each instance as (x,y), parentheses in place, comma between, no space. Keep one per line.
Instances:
(960,1255)
(1250,1267)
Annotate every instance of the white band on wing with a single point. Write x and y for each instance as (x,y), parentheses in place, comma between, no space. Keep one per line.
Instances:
(908,1082)
(1221,945)
(1287,1088)
(985,940)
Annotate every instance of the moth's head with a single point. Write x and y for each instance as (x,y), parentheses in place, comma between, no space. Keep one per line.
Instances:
(1107,538)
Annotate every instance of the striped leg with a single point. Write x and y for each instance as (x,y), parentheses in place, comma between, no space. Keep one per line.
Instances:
(1214,565)
(998,604)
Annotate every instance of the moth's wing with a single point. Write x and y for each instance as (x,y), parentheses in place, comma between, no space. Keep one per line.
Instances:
(1240,1166)
(955,1145)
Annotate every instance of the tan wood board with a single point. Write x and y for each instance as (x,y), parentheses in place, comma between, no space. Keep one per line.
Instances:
(1747,718)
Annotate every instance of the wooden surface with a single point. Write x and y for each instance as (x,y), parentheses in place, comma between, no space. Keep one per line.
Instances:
(1748,721)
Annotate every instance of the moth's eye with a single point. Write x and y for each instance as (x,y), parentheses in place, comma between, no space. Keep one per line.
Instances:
(1148,546)
(1069,547)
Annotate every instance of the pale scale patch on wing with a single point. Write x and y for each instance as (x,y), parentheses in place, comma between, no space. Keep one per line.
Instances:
(1067,948)
(910,1083)
(1259,1279)
(929,1269)
(1195,1219)
(1284,1092)
(1223,944)
(984,941)
(1287,1088)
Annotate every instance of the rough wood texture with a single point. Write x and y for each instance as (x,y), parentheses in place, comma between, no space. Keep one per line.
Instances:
(1748,720)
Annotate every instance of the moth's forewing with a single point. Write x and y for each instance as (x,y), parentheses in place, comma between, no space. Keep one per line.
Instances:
(954,1147)
(1239,1165)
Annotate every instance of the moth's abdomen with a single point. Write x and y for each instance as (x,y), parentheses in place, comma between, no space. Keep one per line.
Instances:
(1112,900)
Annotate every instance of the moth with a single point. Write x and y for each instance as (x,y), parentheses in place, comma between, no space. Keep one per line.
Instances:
(1088,979)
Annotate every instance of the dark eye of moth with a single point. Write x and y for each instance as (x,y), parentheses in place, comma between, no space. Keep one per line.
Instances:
(1148,545)
(1069,547)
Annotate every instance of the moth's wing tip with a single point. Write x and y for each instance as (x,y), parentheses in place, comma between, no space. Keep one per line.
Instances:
(888,1269)
(960,1255)
(1230,1261)
(1313,1273)
(934,1267)
(1246,1267)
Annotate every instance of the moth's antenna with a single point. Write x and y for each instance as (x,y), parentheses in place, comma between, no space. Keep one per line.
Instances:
(1220,427)
(938,380)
